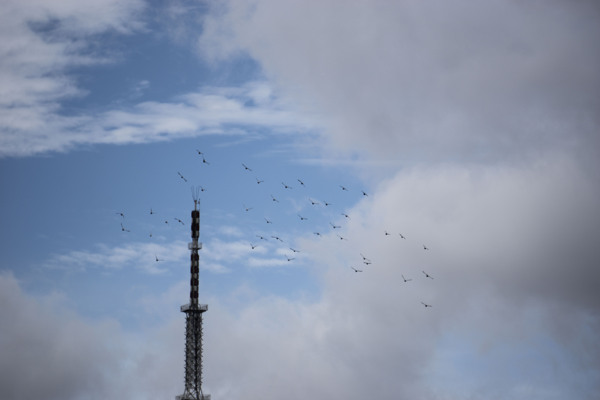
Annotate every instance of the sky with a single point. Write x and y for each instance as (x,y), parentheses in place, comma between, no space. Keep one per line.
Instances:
(398,199)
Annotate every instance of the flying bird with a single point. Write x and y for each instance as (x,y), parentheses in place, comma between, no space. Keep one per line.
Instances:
(356,270)
(258,181)
(301,183)
(406,280)
(302,218)
(286,186)
(346,215)
(314,203)
(326,203)
(277,238)
(427,275)
(387,233)
(204,161)
(152,212)
(290,258)
(123,229)
(121,214)
(402,236)
(341,237)
(335,226)
(248,208)
(181,176)
(199,152)
(246,167)
(274,199)
(364,193)
(426,305)
(425,247)
(268,221)
(344,188)
(253,246)
(317,233)
(294,250)
(180,221)
(365,259)
(157,259)
(261,237)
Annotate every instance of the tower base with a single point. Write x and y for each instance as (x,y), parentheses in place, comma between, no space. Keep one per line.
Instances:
(186,397)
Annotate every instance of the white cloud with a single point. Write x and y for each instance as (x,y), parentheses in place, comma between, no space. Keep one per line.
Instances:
(141,256)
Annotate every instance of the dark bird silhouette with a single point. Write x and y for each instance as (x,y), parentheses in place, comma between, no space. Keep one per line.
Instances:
(364,193)
(246,167)
(261,237)
(302,218)
(157,259)
(166,222)
(294,250)
(121,214)
(258,181)
(202,189)
(199,152)
(346,215)
(364,258)
(334,226)
(274,199)
(180,221)
(290,258)
(314,203)
(427,275)
(406,280)
(268,221)
(426,305)
(317,233)
(387,233)
(367,262)
(425,247)
(344,188)
(123,229)
(277,238)
(204,161)
(341,237)
(286,186)
(152,212)
(356,270)
(326,203)
(301,183)
(402,236)
(248,208)
(150,234)
(253,246)
(181,176)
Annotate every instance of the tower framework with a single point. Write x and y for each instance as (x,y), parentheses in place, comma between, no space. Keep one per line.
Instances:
(193,320)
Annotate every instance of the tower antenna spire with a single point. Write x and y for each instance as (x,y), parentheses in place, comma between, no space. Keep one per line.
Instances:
(193,316)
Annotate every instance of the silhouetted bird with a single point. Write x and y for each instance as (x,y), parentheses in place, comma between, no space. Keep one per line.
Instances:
(246,168)
(180,221)
(290,258)
(334,226)
(204,161)
(277,238)
(157,259)
(274,199)
(286,186)
(258,181)
(261,237)
(314,203)
(402,236)
(342,238)
(317,233)
(248,208)
(123,229)
(268,221)
(406,280)
(253,246)
(356,270)
(121,214)
(346,215)
(302,218)
(364,193)
(425,247)
(181,176)
(344,187)
(426,305)
(294,250)
(302,183)
(326,203)
(387,233)
(427,275)
(152,212)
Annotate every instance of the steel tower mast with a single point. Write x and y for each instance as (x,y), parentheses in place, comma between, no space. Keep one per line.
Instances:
(193,320)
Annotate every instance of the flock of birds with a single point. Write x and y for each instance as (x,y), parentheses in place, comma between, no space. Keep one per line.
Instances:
(269,222)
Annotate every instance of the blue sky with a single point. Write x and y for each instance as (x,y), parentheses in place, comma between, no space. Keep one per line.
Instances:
(369,132)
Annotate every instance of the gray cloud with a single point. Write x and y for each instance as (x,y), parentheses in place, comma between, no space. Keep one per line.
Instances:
(429,81)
